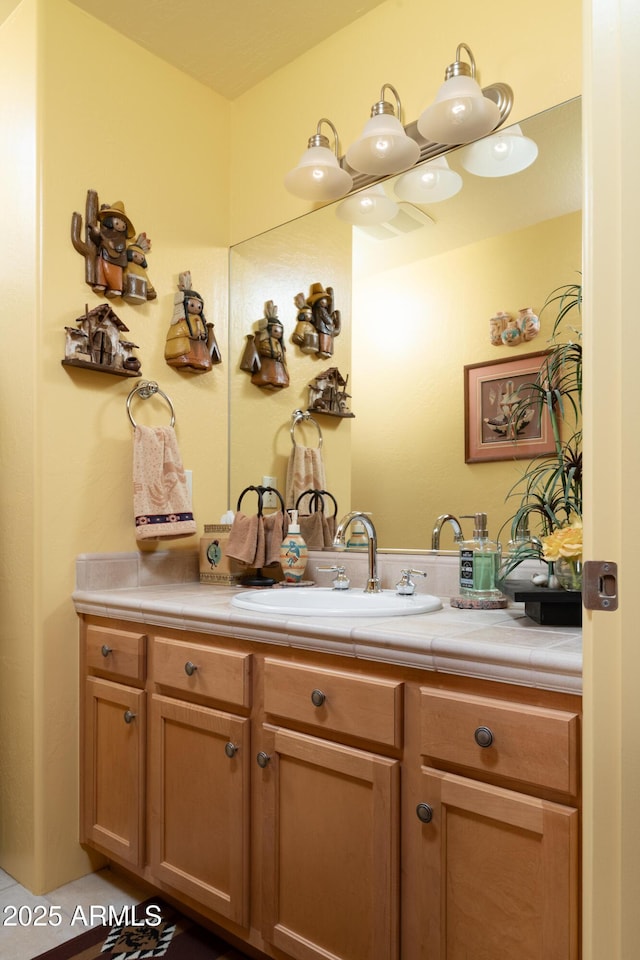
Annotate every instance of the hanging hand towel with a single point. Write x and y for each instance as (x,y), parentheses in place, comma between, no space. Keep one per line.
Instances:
(305,471)
(161,500)
(246,540)
(275,529)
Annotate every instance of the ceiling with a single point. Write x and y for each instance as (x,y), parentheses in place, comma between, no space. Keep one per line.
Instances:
(229,45)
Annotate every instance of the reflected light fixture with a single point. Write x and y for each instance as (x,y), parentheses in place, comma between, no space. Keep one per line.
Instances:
(318,175)
(501,154)
(460,112)
(429,183)
(368,207)
(384,147)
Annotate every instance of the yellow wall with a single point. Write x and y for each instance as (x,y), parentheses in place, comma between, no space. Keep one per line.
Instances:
(422,472)
(108,115)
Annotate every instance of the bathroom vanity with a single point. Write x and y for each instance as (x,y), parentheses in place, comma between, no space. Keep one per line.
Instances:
(361,789)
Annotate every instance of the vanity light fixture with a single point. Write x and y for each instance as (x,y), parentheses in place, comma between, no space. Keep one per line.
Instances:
(367,207)
(384,147)
(318,175)
(431,182)
(501,154)
(461,112)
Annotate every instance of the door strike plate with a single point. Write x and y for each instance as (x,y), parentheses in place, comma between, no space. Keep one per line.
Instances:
(600,585)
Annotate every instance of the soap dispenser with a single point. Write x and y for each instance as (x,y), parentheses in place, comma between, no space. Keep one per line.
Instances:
(293,551)
(479,562)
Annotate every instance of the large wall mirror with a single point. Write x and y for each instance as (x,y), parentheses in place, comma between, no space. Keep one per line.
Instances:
(416,298)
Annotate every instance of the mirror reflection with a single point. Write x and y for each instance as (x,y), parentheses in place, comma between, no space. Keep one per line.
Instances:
(415,295)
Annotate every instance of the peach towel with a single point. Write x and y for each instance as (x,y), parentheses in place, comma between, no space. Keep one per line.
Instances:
(305,471)
(161,500)
(255,540)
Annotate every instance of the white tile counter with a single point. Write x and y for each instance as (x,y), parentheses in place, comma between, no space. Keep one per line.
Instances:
(162,589)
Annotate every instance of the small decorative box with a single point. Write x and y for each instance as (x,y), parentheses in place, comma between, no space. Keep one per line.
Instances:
(215,565)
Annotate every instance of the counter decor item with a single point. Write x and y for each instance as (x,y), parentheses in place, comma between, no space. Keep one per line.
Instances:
(96,345)
(479,563)
(293,551)
(215,564)
(254,539)
(550,489)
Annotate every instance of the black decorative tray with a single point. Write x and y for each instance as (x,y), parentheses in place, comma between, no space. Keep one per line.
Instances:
(549,607)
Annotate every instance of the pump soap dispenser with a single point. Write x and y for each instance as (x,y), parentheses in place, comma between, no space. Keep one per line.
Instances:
(479,563)
(293,551)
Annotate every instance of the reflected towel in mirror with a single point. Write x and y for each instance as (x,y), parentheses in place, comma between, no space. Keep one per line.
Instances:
(305,471)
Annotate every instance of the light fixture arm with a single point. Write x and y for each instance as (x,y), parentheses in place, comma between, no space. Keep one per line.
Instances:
(320,140)
(460,68)
(384,107)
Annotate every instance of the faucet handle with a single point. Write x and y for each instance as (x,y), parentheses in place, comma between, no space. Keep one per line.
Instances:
(405,585)
(341,580)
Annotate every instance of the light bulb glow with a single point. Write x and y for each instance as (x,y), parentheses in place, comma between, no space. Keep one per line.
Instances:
(431,182)
(370,207)
(500,155)
(383,148)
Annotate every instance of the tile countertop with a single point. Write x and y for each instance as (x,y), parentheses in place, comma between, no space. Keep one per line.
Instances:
(162,589)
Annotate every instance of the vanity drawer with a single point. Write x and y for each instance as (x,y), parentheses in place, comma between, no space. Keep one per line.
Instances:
(207,671)
(535,745)
(117,654)
(335,700)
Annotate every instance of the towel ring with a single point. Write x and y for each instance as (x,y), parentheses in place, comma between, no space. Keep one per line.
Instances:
(317,501)
(296,417)
(260,490)
(146,389)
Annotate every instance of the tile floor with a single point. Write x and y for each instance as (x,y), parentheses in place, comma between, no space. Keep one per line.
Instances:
(29,924)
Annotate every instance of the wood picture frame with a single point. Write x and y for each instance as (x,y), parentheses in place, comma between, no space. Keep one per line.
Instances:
(489,432)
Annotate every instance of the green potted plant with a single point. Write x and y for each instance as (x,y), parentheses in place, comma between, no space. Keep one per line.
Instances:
(547,524)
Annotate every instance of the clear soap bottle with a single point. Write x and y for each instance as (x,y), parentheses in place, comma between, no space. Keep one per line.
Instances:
(479,562)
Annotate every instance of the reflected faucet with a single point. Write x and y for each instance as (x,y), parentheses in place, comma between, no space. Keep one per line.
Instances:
(438,525)
(373,581)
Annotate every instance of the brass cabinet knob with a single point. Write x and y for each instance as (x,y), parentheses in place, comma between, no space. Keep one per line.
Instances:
(424,812)
(483,737)
(317,698)
(190,668)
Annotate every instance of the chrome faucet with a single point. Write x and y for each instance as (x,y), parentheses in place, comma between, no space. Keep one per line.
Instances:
(373,581)
(438,525)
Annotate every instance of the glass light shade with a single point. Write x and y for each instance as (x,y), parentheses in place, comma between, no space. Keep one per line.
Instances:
(383,148)
(500,155)
(318,176)
(429,183)
(367,208)
(460,113)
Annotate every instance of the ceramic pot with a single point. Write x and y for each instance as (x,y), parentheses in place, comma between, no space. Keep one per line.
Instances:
(569,574)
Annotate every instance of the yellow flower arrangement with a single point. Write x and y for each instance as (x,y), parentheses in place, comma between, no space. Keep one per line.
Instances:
(565,542)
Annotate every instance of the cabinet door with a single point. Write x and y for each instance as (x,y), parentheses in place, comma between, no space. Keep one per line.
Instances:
(330,847)
(113,772)
(199,804)
(499,873)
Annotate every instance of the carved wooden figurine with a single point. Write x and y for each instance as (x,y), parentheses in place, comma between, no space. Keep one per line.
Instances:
(305,334)
(137,286)
(107,231)
(191,343)
(328,394)
(95,343)
(264,354)
(324,317)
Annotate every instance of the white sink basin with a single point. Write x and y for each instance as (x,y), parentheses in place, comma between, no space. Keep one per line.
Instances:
(326,602)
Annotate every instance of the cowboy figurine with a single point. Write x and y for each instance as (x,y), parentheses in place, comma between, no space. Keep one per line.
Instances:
(110,235)
(137,286)
(325,319)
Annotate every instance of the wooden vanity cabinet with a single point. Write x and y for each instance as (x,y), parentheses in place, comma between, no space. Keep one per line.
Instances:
(330,852)
(113,742)
(498,865)
(320,807)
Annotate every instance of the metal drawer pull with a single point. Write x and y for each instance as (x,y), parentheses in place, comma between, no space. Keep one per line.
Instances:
(263,759)
(317,698)
(230,749)
(105,650)
(424,812)
(129,716)
(190,668)
(483,737)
